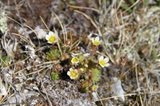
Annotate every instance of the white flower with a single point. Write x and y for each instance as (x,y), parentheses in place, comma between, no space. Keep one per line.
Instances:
(75,60)
(73,73)
(103,61)
(52,37)
(96,41)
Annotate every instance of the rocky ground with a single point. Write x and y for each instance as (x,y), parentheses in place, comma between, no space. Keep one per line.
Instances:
(130,36)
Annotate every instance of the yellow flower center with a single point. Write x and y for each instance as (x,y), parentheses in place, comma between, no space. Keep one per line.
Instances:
(52,39)
(102,63)
(73,73)
(96,42)
(75,60)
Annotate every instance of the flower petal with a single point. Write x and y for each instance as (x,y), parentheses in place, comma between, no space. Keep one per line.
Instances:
(97,39)
(47,37)
(106,59)
(51,33)
(101,57)
(68,73)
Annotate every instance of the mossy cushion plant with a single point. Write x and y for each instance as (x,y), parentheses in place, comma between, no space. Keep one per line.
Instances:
(82,67)
(55,75)
(53,54)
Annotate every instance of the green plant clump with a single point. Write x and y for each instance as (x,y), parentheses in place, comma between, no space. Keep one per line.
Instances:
(82,67)
(96,74)
(53,54)
(55,76)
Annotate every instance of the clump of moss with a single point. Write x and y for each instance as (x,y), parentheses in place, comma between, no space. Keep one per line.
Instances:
(96,75)
(53,54)
(55,76)
(91,78)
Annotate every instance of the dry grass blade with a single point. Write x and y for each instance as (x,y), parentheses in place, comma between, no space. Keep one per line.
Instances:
(100,48)
(90,19)
(84,8)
